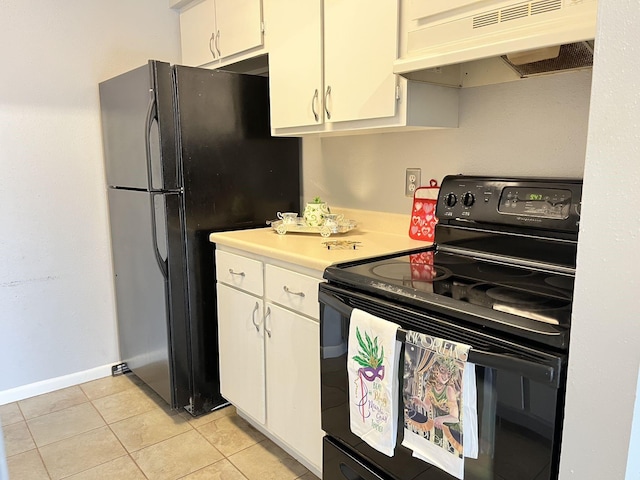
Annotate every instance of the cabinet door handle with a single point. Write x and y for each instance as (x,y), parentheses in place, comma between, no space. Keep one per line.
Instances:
(326,98)
(211,41)
(267,315)
(291,292)
(217,43)
(232,272)
(314,100)
(253,317)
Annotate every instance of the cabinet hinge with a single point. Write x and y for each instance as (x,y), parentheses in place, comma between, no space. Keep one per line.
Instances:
(397,93)
(262,27)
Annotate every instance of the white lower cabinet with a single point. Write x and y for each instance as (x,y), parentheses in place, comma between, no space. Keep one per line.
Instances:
(293,381)
(270,349)
(242,372)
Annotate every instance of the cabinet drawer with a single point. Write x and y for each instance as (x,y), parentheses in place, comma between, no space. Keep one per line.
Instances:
(293,290)
(240,272)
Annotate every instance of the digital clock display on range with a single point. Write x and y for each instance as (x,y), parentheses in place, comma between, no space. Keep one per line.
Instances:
(535,202)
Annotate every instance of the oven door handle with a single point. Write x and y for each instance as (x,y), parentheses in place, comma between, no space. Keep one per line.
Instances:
(540,372)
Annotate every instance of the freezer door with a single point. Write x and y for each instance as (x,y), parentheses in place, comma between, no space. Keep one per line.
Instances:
(141,287)
(138,128)
(235,173)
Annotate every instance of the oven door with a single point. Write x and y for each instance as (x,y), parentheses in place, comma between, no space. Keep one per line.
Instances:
(520,394)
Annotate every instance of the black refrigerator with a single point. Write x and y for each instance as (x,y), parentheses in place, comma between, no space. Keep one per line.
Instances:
(188,152)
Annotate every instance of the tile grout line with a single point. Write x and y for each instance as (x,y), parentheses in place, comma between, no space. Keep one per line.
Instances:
(157,406)
(128,454)
(37,448)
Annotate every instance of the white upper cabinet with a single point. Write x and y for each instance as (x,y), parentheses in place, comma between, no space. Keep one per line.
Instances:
(220,31)
(197,33)
(360,46)
(239,24)
(295,63)
(359,42)
(331,70)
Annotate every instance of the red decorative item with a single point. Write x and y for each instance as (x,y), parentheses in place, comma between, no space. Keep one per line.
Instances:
(422,268)
(423,213)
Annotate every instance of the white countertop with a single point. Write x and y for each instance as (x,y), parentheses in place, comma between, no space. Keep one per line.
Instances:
(379,233)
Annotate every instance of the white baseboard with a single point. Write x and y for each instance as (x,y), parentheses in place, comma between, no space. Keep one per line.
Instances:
(51,384)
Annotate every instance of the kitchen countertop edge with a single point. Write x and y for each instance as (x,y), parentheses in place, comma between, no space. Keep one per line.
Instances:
(389,236)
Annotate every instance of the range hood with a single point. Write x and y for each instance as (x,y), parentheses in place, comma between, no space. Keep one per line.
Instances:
(533,37)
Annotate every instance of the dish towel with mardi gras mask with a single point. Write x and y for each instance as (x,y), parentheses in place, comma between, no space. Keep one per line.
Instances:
(440,408)
(372,364)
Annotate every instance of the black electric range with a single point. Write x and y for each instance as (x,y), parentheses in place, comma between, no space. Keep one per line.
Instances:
(500,278)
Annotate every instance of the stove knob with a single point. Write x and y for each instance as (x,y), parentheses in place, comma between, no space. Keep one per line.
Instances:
(450,199)
(468,199)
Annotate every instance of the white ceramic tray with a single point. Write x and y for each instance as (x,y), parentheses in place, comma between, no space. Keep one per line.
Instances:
(300,226)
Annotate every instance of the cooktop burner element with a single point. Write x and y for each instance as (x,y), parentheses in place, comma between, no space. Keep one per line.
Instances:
(519,302)
(399,271)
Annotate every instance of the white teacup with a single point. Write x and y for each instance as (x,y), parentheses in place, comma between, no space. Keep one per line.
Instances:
(332,220)
(288,217)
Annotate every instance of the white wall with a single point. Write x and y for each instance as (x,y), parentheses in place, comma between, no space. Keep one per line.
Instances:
(530,127)
(57,313)
(605,337)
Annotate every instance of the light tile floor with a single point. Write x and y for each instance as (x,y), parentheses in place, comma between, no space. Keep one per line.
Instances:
(117,428)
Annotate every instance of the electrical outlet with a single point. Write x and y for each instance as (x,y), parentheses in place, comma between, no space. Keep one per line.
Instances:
(412,181)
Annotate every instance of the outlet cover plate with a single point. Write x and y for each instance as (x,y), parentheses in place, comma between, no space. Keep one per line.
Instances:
(412,181)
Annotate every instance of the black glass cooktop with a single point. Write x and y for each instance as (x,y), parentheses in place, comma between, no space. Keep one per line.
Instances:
(435,276)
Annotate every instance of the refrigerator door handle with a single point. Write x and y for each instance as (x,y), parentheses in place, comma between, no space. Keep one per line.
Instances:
(152,114)
(162,263)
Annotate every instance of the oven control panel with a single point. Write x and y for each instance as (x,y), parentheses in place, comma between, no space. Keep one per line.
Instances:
(552,204)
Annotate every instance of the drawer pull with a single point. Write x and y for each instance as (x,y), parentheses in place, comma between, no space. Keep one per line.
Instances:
(240,274)
(253,317)
(267,315)
(286,289)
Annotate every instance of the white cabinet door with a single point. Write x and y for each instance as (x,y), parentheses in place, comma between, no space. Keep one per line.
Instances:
(241,343)
(239,26)
(360,46)
(197,33)
(295,63)
(332,61)
(293,380)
